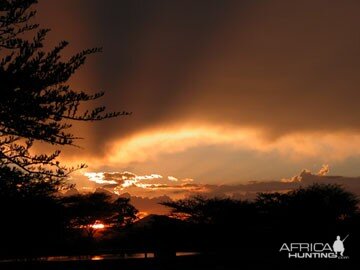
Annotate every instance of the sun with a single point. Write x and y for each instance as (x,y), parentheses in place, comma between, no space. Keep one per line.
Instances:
(97,225)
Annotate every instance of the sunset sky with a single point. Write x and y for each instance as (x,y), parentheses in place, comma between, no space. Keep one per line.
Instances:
(221,92)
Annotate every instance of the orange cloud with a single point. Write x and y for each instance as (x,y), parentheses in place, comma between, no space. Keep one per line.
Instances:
(150,144)
(123,179)
(175,190)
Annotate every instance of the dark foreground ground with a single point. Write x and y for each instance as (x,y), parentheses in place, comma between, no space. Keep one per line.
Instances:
(207,262)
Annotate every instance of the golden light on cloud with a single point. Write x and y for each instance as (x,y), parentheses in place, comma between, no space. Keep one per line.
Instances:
(148,145)
(122,179)
(98,177)
(154,146)
(120,182)
(172,178)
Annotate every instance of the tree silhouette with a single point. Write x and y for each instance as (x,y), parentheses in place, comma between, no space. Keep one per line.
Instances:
(321,205)
(327,200)
(323,202)
(31,224)
(203,210)
(37,104)
(125,213)
(84,210)
(307,213)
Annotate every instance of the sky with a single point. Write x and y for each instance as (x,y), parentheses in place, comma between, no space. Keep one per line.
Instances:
(222,93)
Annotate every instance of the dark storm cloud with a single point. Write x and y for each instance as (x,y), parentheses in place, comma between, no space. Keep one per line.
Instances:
(284,66)
(155,47)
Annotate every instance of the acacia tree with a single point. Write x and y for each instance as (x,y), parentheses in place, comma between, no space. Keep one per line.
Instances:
(203,210)
(84,210)
(36,102)
(323,203)
(125,213)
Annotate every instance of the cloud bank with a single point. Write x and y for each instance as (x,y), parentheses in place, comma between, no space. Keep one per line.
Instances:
(159,186)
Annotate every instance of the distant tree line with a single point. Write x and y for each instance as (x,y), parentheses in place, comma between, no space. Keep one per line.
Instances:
(248,229)
(318,212)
